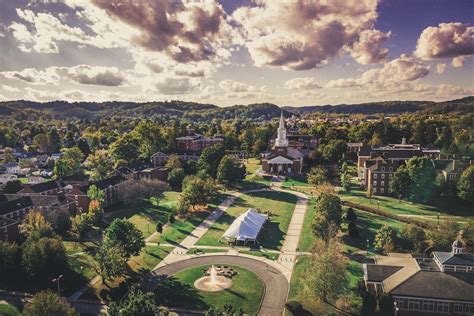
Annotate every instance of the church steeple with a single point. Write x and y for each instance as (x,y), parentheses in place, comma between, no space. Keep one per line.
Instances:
(281,140)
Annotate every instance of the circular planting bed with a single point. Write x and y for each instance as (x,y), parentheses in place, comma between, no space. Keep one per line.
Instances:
(245,291)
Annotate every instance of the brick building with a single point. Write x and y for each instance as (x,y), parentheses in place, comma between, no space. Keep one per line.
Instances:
(197,142)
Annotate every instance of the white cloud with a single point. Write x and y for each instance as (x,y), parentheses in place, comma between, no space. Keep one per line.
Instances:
(302,35)
(236,87)
(446,40)
(95,75)
(392,74)
(172,86)
(458,62)
(81,74)
(441,68)
(305,83)
(368,50)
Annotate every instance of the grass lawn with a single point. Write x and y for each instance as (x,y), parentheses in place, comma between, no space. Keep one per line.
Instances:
(455,208)
(307,236)
(253,165)
(368,224)
(289,181)
(149,258)
(80,259)
(182,227)
(179,291)
(146,214)
(258,253)
(193,251)
(8,310)
(281,204)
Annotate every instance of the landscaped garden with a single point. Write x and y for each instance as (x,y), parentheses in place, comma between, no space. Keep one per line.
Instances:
(279,204)
(246,291)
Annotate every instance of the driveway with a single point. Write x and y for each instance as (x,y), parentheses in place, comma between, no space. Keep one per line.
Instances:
(276,285)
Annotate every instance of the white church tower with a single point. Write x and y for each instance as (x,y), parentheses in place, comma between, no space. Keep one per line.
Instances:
(281,140)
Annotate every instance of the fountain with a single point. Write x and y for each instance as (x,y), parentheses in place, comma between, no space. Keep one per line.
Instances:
(213,282)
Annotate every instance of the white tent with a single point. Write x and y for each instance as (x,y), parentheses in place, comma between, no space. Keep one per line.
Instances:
(246,227)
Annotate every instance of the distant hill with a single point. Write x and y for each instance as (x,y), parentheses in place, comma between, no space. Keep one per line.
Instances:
(464,105)
(30,110)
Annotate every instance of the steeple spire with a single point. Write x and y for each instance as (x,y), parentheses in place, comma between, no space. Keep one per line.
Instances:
(281,140)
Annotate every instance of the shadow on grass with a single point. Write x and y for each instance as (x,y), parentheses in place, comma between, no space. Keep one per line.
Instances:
(173,293)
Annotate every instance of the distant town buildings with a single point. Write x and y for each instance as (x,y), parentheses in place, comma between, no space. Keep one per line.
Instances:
(197,142)
(442,283)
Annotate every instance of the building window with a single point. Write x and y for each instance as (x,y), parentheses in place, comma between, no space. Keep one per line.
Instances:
(383,175)
(390,168)
(390,175)
(375,190)
(400,302)
(382,183)
(383,168)
(413,304)
(375,182)
(375,176)
(458,308)
(428,305)
(451,176)
(442,307)
(382,190)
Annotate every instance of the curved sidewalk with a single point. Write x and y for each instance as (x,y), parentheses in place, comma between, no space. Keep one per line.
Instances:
(276,284)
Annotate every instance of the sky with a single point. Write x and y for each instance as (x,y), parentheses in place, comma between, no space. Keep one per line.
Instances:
(226,52)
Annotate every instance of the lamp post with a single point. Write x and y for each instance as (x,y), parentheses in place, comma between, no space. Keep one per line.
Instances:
(396,308)
(57,280)
(367,247)
(438,218)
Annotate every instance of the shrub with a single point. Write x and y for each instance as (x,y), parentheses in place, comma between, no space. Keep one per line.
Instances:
(294,307)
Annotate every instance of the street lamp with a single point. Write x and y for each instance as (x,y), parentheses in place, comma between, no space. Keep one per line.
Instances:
(57,280)
(367,247)
(396,308)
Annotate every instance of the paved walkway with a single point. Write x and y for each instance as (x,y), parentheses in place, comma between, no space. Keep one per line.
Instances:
(289,251)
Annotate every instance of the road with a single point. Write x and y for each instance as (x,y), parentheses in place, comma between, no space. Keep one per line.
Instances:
(276,285)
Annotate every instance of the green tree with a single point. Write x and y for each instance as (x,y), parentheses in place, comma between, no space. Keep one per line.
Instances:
(468,235)
(230,169)
(150,139)
(442,237)
(159,227)
(385,238)
(69,163)
(346,181)
(43,257)
(413,237)
(124,234)
(317,175)
(210,159)
(47,303)
(400,183)
(175,177)
(326,277)
(137,303)
(8,155)
(334,150)
(197,191)
(81,224)
(9,255)
(466,184)
(126,147)
(173,162)
(35,226)
(111,261)
(327,217)
(100,163)
(423,176)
